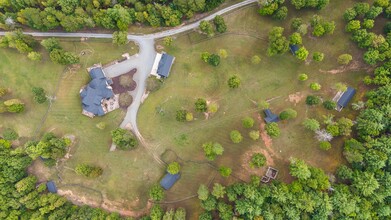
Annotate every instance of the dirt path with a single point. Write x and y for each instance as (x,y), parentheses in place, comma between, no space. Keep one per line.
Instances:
(353,66)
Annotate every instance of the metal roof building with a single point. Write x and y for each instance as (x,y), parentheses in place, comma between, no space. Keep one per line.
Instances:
(294,48)
(270,116)
(162,65)
(51,186)
(169,180)
(345,98)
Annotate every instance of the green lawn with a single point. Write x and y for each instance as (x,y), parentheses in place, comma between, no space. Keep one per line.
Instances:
(274,78)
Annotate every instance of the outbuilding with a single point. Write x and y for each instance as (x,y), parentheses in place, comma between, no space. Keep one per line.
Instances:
(169,180)
(51,186)
(162,65)
(294,48)
(270,116)
(344,100)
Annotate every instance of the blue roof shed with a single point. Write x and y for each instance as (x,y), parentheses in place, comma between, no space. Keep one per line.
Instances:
(169,180)
(270,116)
(345,98)
(294,48)
(165,64)
(51,187)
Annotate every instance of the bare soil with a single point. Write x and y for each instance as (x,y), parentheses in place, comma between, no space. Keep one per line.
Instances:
(352,66)
(295,97)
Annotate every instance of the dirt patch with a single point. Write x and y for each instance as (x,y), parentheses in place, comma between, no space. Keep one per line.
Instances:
(295,97)
(264,136)
(353,66)
(77,199)
(118,88)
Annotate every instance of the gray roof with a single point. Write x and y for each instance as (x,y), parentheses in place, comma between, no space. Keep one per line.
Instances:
(95,91)
(165,64)
(270,117)
(346,97)
(51,187)
(169,180)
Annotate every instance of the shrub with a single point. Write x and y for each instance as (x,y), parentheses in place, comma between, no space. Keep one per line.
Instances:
(344,59)
(88,170)
(156,193)
(257,160)
(3,91)
(173,168)
(125,81)
(254,134)
(302,53)
(153,84)
(167,41)
(288,114)
(201,105)
(235,136)
(189,116)
(329,105)
(34,56)
(312,100)
(223,53)
(10,134)
(280,13)
(324,145)
(318,56)
(120,38)
(248,122)
(296,22)
(212,150)
(273,130)
(225,171)
(213,107)
(181,115)
(333,130)
(255,59)
(303,77)
(295,39)
(125,100)
(311,124)
(123,139)
(214,59)
(219,22)
(315,86)
(39,95)
(234,82)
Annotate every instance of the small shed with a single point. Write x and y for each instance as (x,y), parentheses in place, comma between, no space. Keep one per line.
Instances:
(165,63)
(345,98)
(270,116)
(271,173)
(169,180)
(51,187)
(294,48)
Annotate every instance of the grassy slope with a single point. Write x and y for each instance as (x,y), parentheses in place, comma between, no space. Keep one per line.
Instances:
(274,77)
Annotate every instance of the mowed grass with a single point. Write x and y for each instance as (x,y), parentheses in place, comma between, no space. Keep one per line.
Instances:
(274,79)
(127,176)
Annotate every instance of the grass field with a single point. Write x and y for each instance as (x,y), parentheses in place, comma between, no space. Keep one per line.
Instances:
(275,78)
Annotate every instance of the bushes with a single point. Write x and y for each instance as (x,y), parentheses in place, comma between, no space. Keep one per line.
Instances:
(248,122)
(153,84)
(311,124)
(123,139)
(318,56)
(234,82)
(156,193)
(324,145)
(312,100)
(10,134)
(218,21)
(258,160)
(288,114)
(315,86)
(329,105)
(88,170)
(344,59)
(254,135)
(225,171)
(214,59)
(212,150)
(236,137)
(181,115)
(173,168)
(302,77)
(125,100)
(39,95)
(13,106)
(201,105)
(273,130)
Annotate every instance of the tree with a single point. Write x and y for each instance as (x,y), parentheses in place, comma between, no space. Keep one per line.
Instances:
(353,26)
(298,168)
(288,114)
(49,147)
(255,59)
(296,22)
(218,191)
(88,170)
(10,134)
(203,192)
(225,171)
(273,130)
(212,150)
(302,53)
(123,139)
(318,56)
(223,53)
(344,59)
(329,105)
(206,28)
(205,56)
(173,168)
(248,122)
(312,100)
(50,44)
(258,160)
(295,39)
(311,124)
(125,100)
(234,82)
(39,95)
(156,212)
(345,126)
(156,193)
(189,116)
(120,38)
(218,21)
(315,86)
(333,130)
(324,145)
(365,182)
(181,115)
(167,41)
(350,14)
(278,44)
(180,214)
(281,13)
(214,59)
(236,137)
(303,77)
(14,105)
(254,134)
(34,56)
(201,105)
(368,23)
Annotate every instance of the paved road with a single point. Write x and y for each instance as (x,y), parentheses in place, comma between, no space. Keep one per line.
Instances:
(145,57)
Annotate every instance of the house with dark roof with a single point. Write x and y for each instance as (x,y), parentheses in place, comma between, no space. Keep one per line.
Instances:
(162,65)
(169,180)
(51,186)
(345,98)
(95,93)
(294,48)
(270,116)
